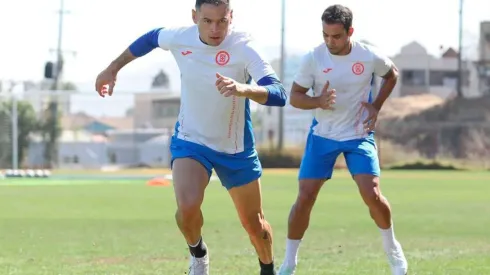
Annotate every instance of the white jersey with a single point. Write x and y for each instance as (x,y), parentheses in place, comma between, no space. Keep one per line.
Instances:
(206,117)
(352,76)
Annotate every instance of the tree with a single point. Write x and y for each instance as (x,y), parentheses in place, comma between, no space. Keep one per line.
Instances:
(68,86)
(26,124)
(48,85)
(160,80)
(50,126)
(50,129)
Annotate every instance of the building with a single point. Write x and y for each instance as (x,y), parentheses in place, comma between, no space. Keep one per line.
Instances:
(87,142)
(139,147)
(423,73)
(156,109)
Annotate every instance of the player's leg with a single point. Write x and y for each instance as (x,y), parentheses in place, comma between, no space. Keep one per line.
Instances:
(240,176)
(191,172)
(248,203)
(363,163)
(316,167)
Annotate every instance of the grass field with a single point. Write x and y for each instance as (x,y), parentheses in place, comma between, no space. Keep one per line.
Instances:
(125,227)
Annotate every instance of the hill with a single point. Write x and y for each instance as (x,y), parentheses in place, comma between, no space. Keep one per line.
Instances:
(458,128)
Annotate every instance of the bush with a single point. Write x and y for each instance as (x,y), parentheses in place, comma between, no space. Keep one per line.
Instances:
(419,165)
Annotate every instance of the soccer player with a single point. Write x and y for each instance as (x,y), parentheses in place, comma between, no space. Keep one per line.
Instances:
(214,129)
(340,72)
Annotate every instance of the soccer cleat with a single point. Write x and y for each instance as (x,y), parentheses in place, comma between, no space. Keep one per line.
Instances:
(286,270)
(199,266)
(397,260)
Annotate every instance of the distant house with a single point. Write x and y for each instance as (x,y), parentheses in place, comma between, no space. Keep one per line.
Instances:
(100,126)
(423,73)
(87,142)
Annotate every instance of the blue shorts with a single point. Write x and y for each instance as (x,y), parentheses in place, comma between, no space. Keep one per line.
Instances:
(233,170)
(361,157)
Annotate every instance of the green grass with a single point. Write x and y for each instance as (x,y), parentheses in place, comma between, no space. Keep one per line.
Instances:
(441,218)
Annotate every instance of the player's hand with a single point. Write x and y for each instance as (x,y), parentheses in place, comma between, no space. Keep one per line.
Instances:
(105,82)
(229,87)
(327,98)
(370,122)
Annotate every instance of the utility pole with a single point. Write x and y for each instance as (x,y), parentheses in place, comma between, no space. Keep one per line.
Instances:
(15,133)
(51,145)
(280,143)
(59,51)
(15,127)
(460,52)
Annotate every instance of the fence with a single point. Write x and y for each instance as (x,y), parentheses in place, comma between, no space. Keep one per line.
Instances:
(134,129)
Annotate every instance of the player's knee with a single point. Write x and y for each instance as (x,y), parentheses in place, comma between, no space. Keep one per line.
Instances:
(371,194)
(255,225)
(188,208)
(308,192)
(372,197)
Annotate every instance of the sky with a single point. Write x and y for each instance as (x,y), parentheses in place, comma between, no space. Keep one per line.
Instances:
(99,30)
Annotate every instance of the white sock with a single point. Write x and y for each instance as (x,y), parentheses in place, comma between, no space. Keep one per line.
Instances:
(389,240)
(195,245)
(292,247)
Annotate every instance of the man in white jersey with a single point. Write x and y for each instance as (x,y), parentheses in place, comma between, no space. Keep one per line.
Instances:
(341,73)
(214,128)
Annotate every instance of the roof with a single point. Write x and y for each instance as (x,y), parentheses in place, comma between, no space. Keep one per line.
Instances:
(81,120)
(450,53)
(117,122)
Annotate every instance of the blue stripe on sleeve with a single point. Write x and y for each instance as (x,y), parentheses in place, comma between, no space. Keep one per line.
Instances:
(277,93)
(145,43)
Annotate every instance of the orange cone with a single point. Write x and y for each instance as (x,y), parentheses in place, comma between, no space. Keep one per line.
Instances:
(158,182)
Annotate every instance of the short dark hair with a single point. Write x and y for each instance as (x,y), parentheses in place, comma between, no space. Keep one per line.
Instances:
(338,14)
(214,2)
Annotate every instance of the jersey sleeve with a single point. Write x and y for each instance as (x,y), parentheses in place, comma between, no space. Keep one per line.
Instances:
(167,36)
(305,76)
(157,38)
(255,65)
(382,63)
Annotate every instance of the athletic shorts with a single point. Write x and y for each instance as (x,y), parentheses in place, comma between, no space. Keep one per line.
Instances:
(361,156)
(233,170)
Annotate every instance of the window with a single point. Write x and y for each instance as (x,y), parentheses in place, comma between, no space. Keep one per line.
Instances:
(162,109)
(74,159)
(112,158)
(413,77)
(447,78)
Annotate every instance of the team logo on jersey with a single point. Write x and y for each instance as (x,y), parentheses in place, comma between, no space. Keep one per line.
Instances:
(222,58)
(358,68)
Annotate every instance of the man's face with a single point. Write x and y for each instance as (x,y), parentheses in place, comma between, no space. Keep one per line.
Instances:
(213,22)
(336,37)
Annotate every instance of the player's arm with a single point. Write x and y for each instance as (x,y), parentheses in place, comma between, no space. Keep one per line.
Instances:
(299,98)
(155,38)
(140,47)
(270,91)
(303,81)
(384,68)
